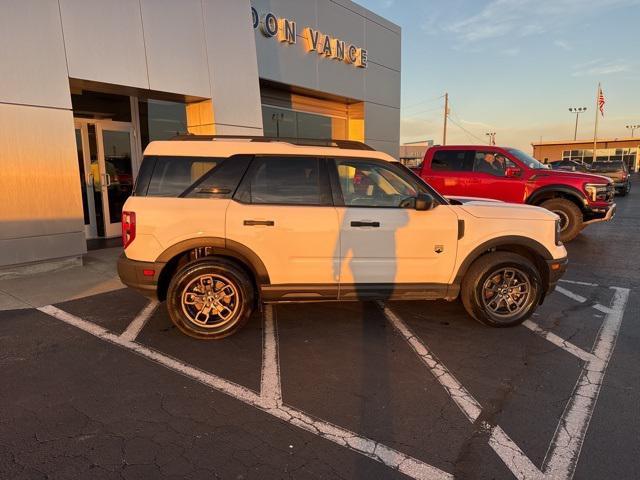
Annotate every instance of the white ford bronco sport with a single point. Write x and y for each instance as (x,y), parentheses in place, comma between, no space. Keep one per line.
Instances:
(218,225)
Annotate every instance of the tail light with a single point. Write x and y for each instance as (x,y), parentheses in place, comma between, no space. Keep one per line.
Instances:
(128,228)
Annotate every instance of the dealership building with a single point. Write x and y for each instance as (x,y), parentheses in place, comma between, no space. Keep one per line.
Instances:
(612,149)
(85,85)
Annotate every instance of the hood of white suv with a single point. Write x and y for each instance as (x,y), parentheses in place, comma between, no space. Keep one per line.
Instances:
(513,211)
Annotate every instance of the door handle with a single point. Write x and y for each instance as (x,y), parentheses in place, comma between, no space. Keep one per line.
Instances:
(359,224)
(259,223)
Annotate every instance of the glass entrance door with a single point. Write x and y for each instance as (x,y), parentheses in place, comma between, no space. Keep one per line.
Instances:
(107,171)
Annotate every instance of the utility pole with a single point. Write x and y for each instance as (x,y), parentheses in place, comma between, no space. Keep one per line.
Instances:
(492,138)
(446,116)
(633,128)
(577,111)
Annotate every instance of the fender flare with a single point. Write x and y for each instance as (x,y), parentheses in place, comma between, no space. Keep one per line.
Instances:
(223,247)
(566,189)
(514,240)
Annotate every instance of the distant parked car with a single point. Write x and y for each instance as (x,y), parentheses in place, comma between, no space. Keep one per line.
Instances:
(618,173)
(569,166)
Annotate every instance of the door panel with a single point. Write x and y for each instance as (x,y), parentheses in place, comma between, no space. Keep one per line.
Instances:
(301,247)
(383,240)
(402,249)
(283,211)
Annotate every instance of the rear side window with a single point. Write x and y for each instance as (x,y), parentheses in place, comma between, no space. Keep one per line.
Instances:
(195,177)
(452,160)
(286,181)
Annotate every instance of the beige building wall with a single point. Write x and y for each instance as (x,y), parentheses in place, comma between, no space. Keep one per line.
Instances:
(552,151)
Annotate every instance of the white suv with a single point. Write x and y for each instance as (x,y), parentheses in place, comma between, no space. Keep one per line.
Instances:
(219,225)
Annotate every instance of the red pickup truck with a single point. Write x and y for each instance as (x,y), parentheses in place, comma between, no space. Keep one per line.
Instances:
(511,175)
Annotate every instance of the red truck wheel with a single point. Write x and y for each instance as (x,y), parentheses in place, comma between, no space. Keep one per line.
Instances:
(571,220)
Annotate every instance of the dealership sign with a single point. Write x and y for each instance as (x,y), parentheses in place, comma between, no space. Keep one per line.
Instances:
(285,30)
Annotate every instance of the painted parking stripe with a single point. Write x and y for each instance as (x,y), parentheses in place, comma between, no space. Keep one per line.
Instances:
(519,464)
(270,385)
(135,327)
(563,454)
(573,282)
(394,459)
(564,450)
(558,341)
(571,295)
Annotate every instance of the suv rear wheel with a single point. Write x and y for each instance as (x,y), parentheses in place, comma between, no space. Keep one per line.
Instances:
(571,219)
(210,299)
(501,289)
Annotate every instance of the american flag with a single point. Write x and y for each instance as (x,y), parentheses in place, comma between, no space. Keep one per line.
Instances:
(601,101)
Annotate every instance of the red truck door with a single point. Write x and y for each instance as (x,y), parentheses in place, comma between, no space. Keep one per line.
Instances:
(496,176)
(450,171)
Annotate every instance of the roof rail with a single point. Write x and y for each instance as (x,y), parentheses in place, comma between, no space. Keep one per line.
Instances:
(302,142)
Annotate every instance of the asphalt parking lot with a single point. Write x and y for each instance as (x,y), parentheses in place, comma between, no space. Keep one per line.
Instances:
(106,387)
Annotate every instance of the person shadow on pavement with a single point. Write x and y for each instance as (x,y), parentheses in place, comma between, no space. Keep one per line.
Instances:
(368,256)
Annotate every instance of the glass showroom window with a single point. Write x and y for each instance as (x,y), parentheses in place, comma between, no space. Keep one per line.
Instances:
(284,123)
(161,120)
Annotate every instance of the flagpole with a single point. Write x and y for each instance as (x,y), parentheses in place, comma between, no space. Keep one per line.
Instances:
(595,132)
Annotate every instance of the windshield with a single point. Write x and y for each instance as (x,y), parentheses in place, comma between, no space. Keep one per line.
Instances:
(528,160)
(607,167)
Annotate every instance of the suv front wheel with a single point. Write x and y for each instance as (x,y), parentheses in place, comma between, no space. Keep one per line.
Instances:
(501,289)
(210,299)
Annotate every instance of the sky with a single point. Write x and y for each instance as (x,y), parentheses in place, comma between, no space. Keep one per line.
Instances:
(514,67)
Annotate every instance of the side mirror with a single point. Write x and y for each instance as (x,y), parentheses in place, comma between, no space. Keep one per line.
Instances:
(424,201)
(512,172)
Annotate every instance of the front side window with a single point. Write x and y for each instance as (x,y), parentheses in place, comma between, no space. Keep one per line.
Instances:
(287,181)
(491,163)
(452,160)
(372,184)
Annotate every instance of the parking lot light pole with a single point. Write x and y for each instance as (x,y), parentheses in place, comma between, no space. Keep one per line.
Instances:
(577,111)
(633,129)
(492,137)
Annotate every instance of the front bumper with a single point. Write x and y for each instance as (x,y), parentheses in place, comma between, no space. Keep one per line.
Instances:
(137,275)
(601,214)
(557,269)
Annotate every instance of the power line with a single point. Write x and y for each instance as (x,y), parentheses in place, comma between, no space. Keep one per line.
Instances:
(422,112)
(428,100)
(481,140)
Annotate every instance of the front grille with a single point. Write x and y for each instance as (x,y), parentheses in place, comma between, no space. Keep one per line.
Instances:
(611,192)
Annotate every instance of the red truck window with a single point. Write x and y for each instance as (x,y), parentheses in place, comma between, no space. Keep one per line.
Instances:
(453,160)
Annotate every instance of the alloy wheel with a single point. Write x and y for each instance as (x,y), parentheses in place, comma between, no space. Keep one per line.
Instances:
(210,301)
(506,292)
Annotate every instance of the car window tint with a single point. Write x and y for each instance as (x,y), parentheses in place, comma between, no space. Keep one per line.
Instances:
(368,184)
(289,181)
(173,175)
(221,181)
(452,160)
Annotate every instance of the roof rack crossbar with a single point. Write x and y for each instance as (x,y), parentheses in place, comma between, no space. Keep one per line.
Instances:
(302,142)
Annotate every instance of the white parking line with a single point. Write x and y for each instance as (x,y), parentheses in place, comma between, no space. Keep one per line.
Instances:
(558,341)
(269,401)
(270,388)
(573,282)
(135,327)
(519,464)
(564,450)
(571,295)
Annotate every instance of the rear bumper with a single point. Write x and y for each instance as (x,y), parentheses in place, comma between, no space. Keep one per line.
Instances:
(137,275)
(601,214)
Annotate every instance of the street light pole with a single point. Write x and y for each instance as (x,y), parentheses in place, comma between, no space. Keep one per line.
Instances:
(492,137)
(577,111)
(633,129)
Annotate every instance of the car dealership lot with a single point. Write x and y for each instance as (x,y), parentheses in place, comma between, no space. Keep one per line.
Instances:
(106,387)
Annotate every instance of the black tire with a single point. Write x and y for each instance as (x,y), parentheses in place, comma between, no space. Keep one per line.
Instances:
(625,190)
(571,219)
(201,293)
(485,270)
